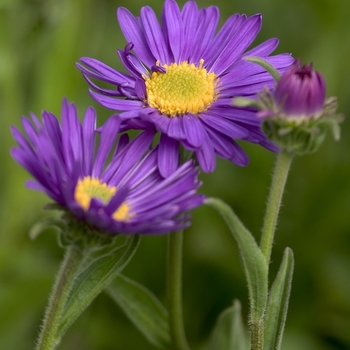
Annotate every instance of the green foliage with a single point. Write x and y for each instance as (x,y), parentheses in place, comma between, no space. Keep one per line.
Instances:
(229,333)
(39,42)
(143,309)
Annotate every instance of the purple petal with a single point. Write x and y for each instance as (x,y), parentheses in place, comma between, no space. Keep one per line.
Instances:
(116,104)
(103,72)
(240,41)
(131,154)
(108,137)
(168,155)
(206,156)
(222,39)
(189,24)
(208,22)
(226,127)
(195,133)
(173,27)
(134,33)
(154,36)
(264,49)
(88,139)
(175,128)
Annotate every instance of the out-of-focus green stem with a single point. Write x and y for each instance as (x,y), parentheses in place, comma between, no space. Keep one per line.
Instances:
(279,179)
(177,331)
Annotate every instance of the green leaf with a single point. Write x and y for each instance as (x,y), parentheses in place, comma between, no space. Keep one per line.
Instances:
(228,332)
(253,261)
(143,309)
(94,278)
(264,64)
(277,308)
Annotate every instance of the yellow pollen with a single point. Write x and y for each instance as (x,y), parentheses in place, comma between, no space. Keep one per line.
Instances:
(183,88)
(89,188)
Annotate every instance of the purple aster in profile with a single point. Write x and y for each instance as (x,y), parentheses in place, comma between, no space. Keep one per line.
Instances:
(125,194)
(181,78)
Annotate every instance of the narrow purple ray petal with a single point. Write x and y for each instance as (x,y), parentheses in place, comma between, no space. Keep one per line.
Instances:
(114,104)
(264,49)
(107,92)
(221,40)
(134,33)
(173,27)
(88,140)
(103,72)
(189,24)
(206,156)
(168,155)
(154,36)
(132,153)
(194,131)
(160,121)
(117,200)
(208,22)
(108,137)
(21,140)
(33,134)
(176,129)
(225,126)
(240,41)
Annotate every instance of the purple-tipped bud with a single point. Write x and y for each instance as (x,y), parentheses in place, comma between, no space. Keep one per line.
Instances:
(301,92)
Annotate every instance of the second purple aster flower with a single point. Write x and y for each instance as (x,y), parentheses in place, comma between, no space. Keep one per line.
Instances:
(124,195)
(181,78)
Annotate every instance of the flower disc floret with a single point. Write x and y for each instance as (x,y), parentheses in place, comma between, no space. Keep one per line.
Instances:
(183,88)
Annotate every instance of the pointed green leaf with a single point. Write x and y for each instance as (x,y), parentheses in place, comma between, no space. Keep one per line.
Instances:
(278,303)
(98,275)
(228,332)
(253,261)
(143,309)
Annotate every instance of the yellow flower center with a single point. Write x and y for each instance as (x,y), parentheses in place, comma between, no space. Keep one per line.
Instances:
(89,188)
(183,88)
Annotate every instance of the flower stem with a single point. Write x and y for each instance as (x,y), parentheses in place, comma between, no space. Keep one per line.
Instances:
(177,331)
(48,337)
(257,335)
(279,179)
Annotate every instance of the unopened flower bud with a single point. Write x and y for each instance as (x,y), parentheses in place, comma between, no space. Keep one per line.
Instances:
(301,92)
(296,113)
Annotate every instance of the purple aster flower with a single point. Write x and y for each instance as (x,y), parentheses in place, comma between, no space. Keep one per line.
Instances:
(181,78)
(124,195)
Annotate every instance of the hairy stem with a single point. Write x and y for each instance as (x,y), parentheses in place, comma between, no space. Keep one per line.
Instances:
(279,179)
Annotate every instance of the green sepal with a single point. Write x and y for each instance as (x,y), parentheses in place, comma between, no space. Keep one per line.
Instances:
(244,102)
(143,309)
(94,276)
(264,64)
(277,307)
(253,260)
(39,227)
(228,332)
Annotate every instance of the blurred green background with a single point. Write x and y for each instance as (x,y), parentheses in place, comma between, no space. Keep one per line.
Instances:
(39,42)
